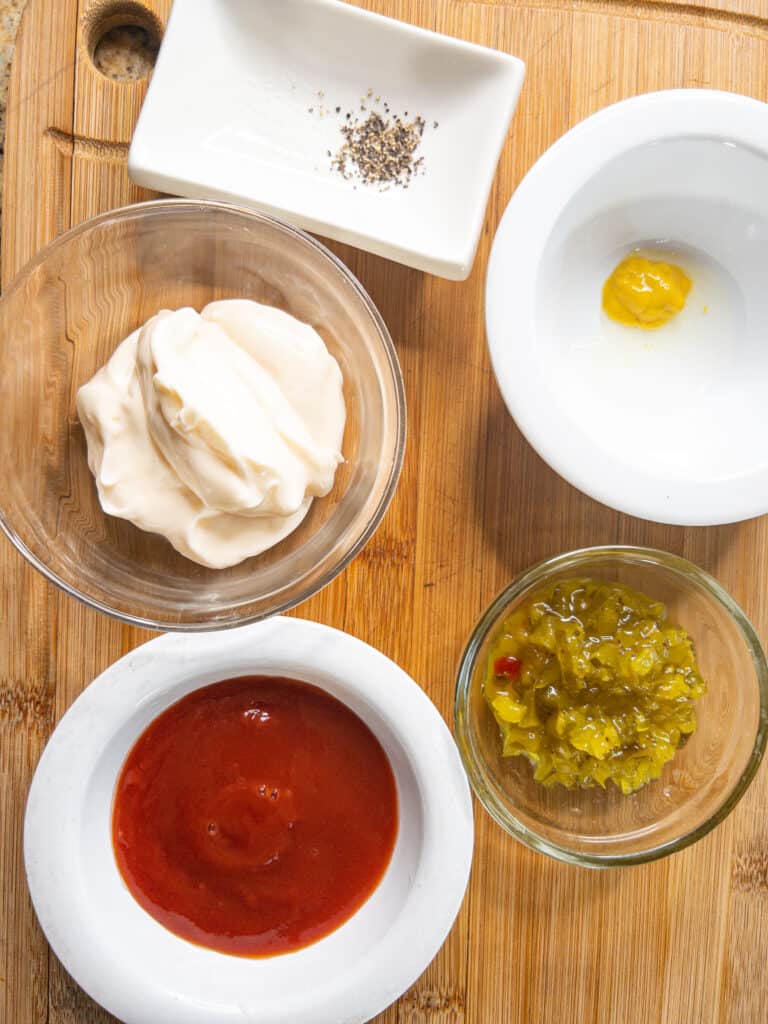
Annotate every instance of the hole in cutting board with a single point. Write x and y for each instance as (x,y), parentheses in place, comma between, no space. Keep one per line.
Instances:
(122,39)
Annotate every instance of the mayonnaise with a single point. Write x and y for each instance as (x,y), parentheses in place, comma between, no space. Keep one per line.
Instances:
(215,429)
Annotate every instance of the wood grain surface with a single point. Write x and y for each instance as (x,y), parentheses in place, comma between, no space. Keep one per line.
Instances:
(682,940)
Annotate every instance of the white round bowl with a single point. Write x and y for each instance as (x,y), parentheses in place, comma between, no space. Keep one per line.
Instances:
(670,425)
(143,973)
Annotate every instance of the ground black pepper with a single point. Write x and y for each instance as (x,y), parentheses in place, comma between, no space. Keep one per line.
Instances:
(378,147)
(380,150)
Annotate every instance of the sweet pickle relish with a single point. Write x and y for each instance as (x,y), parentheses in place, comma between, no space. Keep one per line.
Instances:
(591,683)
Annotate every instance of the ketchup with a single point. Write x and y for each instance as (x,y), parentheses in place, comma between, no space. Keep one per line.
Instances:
(255,816)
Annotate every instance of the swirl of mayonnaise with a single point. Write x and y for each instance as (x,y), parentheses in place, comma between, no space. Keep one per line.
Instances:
(215,429)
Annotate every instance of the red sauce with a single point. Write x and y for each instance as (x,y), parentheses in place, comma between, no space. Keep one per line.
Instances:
(255,816)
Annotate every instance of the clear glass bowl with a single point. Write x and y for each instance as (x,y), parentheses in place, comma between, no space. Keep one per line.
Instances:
(61,320)
(708,776)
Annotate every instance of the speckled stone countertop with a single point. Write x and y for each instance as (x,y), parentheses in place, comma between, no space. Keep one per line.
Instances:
(10,15)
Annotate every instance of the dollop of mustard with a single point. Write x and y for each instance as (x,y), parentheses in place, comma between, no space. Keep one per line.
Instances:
(645,293)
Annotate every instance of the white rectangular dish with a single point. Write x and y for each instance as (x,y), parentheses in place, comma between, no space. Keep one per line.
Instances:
(248,99)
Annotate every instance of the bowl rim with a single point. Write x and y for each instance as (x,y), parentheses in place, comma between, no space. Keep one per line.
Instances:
(114,710)
(518,247)
(233,619)
(565,563)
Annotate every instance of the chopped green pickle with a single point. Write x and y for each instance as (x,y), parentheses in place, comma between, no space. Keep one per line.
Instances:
(592,684)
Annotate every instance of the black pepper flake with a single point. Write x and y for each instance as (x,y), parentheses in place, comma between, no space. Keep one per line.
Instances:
(380,150)
(377,148)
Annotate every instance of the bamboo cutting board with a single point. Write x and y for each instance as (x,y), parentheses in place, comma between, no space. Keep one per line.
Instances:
(682,940)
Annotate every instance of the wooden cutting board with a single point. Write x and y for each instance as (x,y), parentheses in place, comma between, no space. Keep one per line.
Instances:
(682,940)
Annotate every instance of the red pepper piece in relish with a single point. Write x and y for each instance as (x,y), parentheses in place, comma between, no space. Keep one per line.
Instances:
(508,666)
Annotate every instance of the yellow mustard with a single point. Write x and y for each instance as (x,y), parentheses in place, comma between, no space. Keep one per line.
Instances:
(645,293)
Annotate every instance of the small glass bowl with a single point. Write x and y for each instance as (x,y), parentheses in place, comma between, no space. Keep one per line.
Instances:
(61,320)
(698,788)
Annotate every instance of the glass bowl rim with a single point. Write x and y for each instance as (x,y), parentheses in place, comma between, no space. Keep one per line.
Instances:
(567,562)
(232,620)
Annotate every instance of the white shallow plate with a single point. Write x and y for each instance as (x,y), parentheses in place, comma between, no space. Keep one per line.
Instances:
(670,425)
(227,117)
(143,973)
